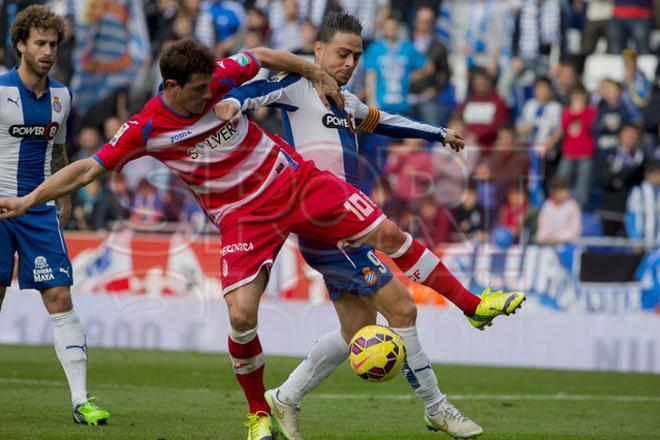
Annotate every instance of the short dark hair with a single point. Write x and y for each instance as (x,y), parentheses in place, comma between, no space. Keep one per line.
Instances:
(543,80)
(334,22)
(184,58)
(652,166)
(560,183)
(35,16)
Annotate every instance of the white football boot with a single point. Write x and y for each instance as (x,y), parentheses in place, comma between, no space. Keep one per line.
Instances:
(285,417)
(453,422)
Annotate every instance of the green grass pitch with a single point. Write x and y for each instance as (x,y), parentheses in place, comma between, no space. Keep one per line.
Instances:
(167,395)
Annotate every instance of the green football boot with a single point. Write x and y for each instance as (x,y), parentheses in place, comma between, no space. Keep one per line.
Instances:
(495,304)
(88,413)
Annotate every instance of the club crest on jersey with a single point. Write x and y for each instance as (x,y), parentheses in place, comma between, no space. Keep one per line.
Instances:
(370,277)
(333,121)
(34,131)
(217,140)
(241,59)
(57,105)
(113,141)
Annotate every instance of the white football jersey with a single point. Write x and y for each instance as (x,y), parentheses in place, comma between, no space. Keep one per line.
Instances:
(29,127)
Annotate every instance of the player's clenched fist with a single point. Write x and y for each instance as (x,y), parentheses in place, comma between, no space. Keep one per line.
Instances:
(228,110)
(12,207)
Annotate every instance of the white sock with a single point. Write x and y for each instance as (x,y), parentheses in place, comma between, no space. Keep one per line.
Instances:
(329,352)
(71,348)
(418,371)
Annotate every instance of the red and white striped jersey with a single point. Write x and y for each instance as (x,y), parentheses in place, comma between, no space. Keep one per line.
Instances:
(224,165)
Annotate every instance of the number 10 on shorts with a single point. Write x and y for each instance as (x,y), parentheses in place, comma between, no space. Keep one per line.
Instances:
(359,206)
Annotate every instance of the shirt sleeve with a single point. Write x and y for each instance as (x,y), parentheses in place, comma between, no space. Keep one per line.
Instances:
(127,144)
(60,136)
(234,71)
(371,119)
(285,91)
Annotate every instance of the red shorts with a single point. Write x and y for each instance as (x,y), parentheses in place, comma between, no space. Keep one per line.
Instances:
(309,202)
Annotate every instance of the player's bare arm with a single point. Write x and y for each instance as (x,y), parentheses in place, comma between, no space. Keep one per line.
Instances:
(325,85)
(64,182)
(59,161)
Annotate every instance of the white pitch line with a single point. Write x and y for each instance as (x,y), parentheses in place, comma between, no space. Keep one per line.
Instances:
(337,396)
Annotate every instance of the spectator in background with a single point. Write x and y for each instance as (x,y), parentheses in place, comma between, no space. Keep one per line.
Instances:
(257,20)
(452,170)
(578,146)
(484,110)
(613,113)
(86,204)
(631,18)
(618,174)
(560,219)
(598,16)
(308,34)
(115,206)
(89,142)
(434,226)
(514,212)
(506,166)
(110,127)
(426,89)
(227,17)
(409,171)
(643,207)
(485,35)
(537,34)
(63,68)
(636,87)
(567,76)
(287,36)
(540,118)
(391,63)
(147,205)
(469,216)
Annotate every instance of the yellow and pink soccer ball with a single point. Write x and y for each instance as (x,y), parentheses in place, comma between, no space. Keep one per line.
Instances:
(376,353)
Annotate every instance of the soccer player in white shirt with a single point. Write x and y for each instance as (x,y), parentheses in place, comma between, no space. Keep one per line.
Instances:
(33,113)
(358,283)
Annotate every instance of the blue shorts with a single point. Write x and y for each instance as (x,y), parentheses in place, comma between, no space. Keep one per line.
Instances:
(42,256)
(355,270)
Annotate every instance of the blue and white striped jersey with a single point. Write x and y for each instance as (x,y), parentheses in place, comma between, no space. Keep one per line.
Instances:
(327,136)
(29,127)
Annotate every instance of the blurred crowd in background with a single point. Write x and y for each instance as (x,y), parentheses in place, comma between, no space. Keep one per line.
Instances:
(558,100)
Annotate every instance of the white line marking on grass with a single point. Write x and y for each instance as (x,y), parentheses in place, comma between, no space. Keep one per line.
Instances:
(541,397)
(338,396)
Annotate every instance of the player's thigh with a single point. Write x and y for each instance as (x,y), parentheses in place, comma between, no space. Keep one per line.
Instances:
(43,262)
(353,314)
(243,302)
(395,303)
(333,211)
(7,250)
(57,299)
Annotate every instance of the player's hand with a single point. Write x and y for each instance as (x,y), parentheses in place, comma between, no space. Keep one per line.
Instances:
(453,140)
(12,207)
(326,86)
(228,110)
(64,208)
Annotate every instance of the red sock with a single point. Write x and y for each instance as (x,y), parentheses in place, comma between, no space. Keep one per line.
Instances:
(422,266)
(248,363)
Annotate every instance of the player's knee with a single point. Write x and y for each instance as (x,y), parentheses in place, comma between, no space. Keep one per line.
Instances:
(390,237)
(57,299)
(242,318)
(404,314)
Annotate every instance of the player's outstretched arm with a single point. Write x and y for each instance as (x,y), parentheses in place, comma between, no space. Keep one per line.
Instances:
(371,119)
(65,181)
(324,84)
